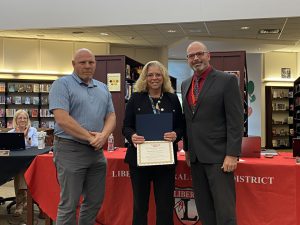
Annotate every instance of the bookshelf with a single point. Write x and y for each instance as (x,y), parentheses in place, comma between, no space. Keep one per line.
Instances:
(279,117)
(234,62)
(296,139)
(129,71)
(30,95)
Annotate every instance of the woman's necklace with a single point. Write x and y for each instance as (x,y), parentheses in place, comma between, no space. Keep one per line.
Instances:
(155,106)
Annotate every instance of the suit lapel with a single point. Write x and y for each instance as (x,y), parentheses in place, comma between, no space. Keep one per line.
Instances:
(207,85)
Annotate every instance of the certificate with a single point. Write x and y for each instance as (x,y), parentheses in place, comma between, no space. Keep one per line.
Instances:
(152,153)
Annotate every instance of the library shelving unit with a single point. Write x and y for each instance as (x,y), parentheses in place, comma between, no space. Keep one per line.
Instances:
(30,95)
(128,70)
(279,117)
(234,62)
(296,139)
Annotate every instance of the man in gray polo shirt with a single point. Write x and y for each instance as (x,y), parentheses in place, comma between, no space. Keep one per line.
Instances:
(84,115)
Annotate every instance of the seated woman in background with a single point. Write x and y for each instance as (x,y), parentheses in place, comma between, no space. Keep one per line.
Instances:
(22,124)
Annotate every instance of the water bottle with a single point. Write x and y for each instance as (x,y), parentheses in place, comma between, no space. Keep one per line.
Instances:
(41,139)
(110,143)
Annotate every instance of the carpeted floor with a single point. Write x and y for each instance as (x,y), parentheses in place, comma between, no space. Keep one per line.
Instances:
(7,190)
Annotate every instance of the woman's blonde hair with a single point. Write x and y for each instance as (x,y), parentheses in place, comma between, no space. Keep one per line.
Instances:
(141,83)
(21,111)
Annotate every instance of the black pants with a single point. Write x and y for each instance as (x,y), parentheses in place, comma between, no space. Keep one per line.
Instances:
(163,178)
(214,194)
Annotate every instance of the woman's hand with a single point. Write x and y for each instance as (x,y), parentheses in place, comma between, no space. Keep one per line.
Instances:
(26,131)
(170,136)
(136,139)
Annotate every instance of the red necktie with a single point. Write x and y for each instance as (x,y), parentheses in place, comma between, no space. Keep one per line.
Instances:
(196,90)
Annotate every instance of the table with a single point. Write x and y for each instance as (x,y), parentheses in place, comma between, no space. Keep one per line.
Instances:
(11,165)
(268,191)
(16,161)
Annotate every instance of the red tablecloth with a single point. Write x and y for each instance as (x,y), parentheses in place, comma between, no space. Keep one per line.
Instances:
(266,191)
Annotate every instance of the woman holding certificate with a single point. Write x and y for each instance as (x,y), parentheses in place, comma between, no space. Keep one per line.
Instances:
(153,113)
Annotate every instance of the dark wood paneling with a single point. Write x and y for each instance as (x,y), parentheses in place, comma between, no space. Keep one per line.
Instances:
(268,117)
(115,64)
(234,61)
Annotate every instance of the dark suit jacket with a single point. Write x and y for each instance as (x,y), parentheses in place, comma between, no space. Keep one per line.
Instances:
(139,103)
(216,127)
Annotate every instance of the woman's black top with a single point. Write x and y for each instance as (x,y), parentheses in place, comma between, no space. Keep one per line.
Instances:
(139,103)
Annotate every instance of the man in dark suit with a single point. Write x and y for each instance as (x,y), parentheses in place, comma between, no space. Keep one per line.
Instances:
(214,128)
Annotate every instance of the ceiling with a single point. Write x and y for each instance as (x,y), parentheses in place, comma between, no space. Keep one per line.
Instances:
(217,35)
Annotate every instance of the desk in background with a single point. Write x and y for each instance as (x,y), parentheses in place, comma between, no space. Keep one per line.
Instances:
(16,161)
(268,191)
(11,165)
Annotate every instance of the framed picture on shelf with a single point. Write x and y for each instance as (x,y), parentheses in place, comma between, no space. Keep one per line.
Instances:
(114,82)
(286,73)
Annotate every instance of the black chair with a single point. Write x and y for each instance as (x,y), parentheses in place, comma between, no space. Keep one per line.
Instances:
(12,201)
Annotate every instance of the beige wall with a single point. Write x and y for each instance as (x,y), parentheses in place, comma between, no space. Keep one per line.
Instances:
(41,56)
(274,61)
(140,54)
(1,53)
(19,56)
(298,64)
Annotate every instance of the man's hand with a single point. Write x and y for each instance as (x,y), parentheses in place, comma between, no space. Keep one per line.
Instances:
(97,140)
(229,164)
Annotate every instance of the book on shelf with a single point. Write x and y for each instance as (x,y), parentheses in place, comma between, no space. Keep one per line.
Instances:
(45,87)
(36,88)
(26,100)
(2,112)
(43,124)
(35,124)
(17,100)
(9,100)
(9,124)
(51,124)
(2,99)
(10,112)
(20,87)
(2,87)
(47,124)
(128,90)
(29,88)
(35,100)
(11,87)
(34,112)
(2,123)
(44,100)
(128,76)
(45,113)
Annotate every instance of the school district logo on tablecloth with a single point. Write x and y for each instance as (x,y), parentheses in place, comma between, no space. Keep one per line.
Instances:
(185,206)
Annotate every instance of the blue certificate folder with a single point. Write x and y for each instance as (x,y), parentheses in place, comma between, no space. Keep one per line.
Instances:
(153,126)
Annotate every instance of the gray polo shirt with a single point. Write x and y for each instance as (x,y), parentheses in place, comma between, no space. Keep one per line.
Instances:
(87,104)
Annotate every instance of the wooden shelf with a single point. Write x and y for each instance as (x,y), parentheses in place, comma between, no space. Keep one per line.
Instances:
(27,95)
(278,114)
(117,64)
